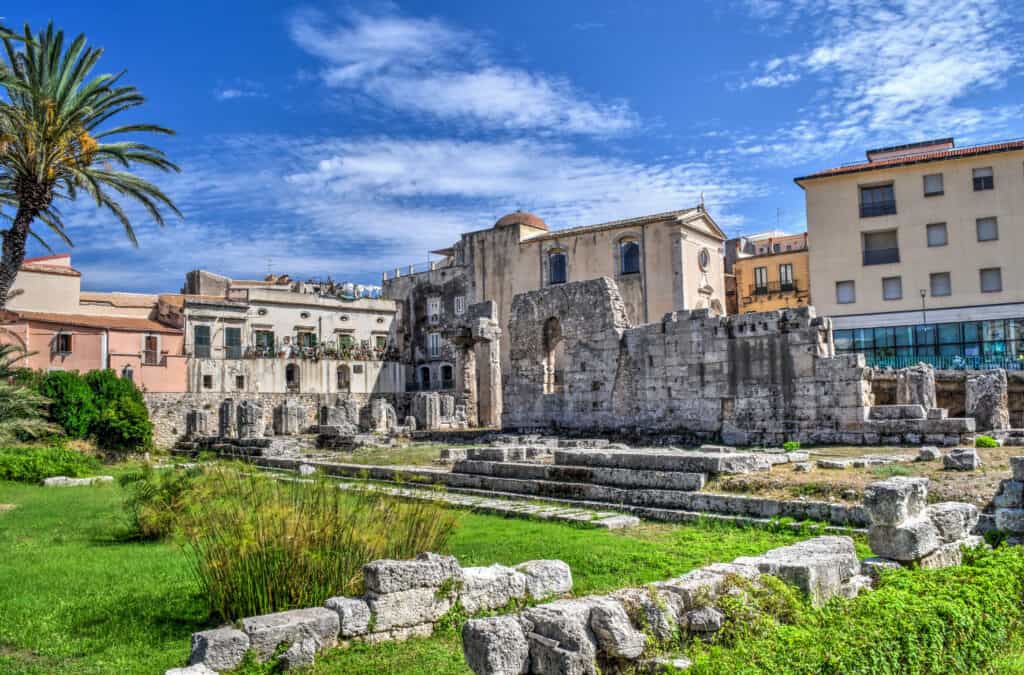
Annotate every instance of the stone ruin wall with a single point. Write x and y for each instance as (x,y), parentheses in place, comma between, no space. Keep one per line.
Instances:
(951,391)
(751,379)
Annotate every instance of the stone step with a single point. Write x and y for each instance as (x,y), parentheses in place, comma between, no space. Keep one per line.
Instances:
(685,461)
(624,478)
(897,412)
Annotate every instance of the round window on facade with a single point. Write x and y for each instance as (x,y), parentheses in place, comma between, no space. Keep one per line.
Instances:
(380,319)
(343,317)
(261,311)
(704,259)
(304,315)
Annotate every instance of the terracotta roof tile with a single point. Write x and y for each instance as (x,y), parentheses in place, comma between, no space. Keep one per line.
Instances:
(122,323)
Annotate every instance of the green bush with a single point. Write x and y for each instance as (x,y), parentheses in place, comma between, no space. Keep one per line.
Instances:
(72,405)
(260,545)
(108,388)
(953,620)
(34,464)
(124,426)
(791,446)
(983,441)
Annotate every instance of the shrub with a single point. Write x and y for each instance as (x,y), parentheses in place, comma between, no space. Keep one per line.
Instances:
(71,402)
(23,414)
(34,464)
(157,501)
(108,388)
(260,545)
(983,441)
(791,446)
(953,620)
(124,425)
(890,470)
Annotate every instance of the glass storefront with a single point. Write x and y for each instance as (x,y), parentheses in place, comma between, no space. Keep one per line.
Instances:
(968,344)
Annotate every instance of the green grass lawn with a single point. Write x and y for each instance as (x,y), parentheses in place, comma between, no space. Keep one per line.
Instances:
(78,596)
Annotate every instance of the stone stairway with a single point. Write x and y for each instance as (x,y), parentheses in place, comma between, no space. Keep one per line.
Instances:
(914,424)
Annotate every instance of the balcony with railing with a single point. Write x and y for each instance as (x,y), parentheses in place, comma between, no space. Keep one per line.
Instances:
(885,207)
(774,287)
(154,358)
(881,256)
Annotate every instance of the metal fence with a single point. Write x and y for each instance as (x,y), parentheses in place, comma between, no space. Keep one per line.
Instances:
(947,362)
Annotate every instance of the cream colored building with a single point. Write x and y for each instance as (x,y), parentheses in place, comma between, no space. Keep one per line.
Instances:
(772,275)
(661,263)
(915,253)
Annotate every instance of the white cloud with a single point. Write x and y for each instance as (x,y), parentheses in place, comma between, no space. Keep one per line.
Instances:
(239,89)
(429,67)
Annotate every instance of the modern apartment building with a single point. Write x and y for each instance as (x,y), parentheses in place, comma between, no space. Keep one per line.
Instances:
(770,272)
(915,253)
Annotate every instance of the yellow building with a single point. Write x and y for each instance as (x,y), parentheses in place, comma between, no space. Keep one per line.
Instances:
(915,253)
(775,275)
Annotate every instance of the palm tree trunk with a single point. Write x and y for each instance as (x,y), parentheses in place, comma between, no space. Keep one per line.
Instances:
(14,251)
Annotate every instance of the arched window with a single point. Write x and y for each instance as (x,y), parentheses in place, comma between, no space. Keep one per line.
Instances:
(554,357)
(291,377)
(629,257)
(344,378)
(557,264)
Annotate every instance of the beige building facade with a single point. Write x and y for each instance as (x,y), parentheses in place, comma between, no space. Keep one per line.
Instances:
(915,253)
(770,273)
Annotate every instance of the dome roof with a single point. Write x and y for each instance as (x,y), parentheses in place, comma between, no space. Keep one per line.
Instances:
(521,218)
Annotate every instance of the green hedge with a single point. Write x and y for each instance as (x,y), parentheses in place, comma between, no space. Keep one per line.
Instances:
(954,620)
(34,464)
(101,405)
(72,404)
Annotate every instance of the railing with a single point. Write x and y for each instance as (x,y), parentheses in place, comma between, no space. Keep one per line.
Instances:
(770,287)
(885,208)
(153,358)
(946,362)
(233,352)
(881,256)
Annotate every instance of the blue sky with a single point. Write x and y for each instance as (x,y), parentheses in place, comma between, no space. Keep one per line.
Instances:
(345,139)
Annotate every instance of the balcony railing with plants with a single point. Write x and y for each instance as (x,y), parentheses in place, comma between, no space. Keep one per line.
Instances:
(353,352)
(774,287)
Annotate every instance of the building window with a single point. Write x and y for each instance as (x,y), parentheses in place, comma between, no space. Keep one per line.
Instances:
(433,309)
(239,382)
(892,288)
(940,284)
(434,345)
(460,305)
(629,257)
(62,343)
(201,342)
(306,339)
(557,268)
(991,280)
(345,342)
(760,280)
(207,381)
(232,343)
(380,342)
(786,277)
(344,378)
(776,248)
(937,235)
(845,293)
(264,340)
(880,248)
(879,200)
(291,377)
(988,229)
(424,377)
(933,185)
(447,377)
(151,350)
(983,179)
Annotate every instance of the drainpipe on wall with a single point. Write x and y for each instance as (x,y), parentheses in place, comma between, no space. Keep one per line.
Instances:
(104,353)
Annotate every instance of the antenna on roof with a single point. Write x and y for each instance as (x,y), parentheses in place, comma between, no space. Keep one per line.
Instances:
(701,200)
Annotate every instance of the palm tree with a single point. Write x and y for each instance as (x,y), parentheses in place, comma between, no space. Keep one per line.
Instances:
(54,143)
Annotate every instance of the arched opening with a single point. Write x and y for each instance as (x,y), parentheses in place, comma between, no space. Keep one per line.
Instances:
(424,378)
(447,374)
(291,377)
(344,378)
(554,357)
(629,257)
(557,267)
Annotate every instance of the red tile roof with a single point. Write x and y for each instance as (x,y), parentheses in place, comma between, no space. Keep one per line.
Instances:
(119,323)
(923,157)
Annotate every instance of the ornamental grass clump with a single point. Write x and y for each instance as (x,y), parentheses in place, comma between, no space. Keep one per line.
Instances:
(260,545)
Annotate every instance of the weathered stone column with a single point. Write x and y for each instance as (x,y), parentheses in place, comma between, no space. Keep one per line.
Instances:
(916,386)
(987,400)
(226,418)
(250,420)
(489,397)
(465,380)
(197,423)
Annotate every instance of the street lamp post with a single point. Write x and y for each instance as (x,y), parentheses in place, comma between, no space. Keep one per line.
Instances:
(924,312)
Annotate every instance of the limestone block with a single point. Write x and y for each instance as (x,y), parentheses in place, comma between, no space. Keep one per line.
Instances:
(616,637)
(945,555)
(299,656)
(656,608)
(289,418)
(452,454)
(220,648)
(196,669)
(268,631)
(986,399)
(662,665)
(892,501)
(962,459)
(817,566)
(423,630)
(1010,520)
(692,588)
(910,540)
(547,656)
(250,419)
(411,607)
(704,620)
(873,567)
(197,423)
(490,587)
(428,570)
(545,578)
(226,418)
(1017,466)
(496,646)
(803,467)
(353,615)
(916,386)
(853,586)
(833,464)
(953,520)
(1011,493)
(928,453)
(567,622)
(64,481)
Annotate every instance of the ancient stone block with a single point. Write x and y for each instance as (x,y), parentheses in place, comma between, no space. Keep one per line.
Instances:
(268,631)
(490,587)
(910,540)
(986,399)
(428,570)
(400,609)
(1011,493)
(916,386)
(289,418)
(195,669)
(496,646)
(1010,520)
(962,459)
(220,648)
(197,423)
(64,481)
(892,501)
(299,656)
(353,615)
(953,520)
(1017,467)
(250,419)
(873,567)
(928,453)
(817,566)
(383,418)
(654,607)
(545,578)
(704,620)
(616,636)
(547,656)
(226,425)
(567,622)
